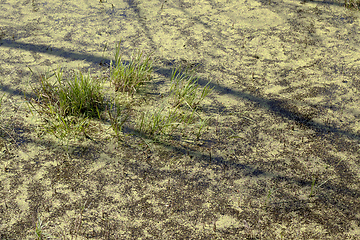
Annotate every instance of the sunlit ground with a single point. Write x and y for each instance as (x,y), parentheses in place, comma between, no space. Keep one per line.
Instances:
(271,153)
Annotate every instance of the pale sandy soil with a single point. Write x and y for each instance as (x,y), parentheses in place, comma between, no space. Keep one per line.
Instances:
(284,120)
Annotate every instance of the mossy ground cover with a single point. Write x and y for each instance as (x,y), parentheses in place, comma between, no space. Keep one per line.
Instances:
(211,120)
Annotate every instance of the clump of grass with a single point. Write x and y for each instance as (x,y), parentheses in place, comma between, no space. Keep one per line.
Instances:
(179,109)
(39,231)
(81,96)
(186,92)
(78,97)
(66,107)
(152,122)
(185,89)
(128,77)
(159,121)
(352,4)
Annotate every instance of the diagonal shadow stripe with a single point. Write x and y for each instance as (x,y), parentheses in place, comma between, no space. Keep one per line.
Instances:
(40,48)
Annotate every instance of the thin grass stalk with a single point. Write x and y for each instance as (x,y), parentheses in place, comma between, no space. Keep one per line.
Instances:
(66,126)
(1,102)
(47,88)
(205,91)
(173,119)
(117,54)
(98,113)
(189,92)
(203,123)
(39,232)
(176,80)
(46,91)
(158,119)
(81,125)
(142,121)
(29,102)
(113,125)
(118,121)
(191,117)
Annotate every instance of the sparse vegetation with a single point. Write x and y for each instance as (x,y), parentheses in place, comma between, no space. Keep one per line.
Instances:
(67,106)
(127,77)
(352,4)
(151,153)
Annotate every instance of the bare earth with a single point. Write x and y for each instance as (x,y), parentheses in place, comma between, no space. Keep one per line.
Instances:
(284,122)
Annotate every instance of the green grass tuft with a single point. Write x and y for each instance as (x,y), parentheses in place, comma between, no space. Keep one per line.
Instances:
(128,77)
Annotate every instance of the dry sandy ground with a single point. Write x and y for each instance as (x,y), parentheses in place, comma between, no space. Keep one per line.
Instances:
(284,122)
